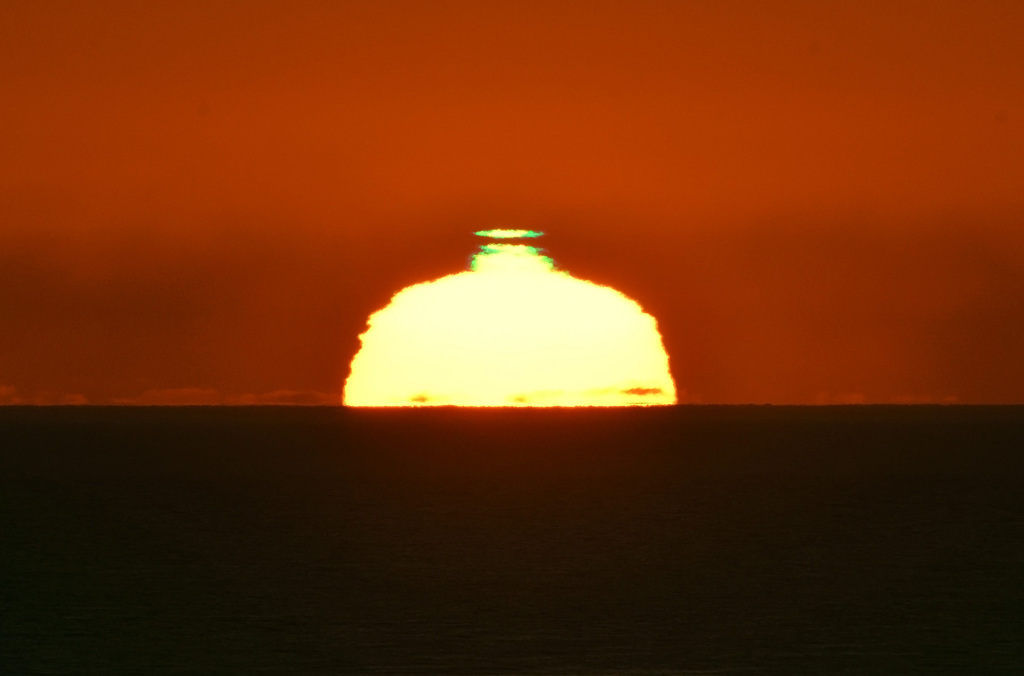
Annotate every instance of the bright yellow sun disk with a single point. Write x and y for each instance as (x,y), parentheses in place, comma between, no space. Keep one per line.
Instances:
(512,332)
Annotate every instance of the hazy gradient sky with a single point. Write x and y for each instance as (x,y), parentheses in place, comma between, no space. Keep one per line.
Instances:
(819,201)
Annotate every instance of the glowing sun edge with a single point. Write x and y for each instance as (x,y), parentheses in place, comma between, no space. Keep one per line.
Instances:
(512,332)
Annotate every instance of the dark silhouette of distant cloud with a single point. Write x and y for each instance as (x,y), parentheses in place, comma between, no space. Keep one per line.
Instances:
(9,396)
(179,396)
(287,398)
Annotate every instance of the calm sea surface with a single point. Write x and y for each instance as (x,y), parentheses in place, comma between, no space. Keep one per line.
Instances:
(684,540)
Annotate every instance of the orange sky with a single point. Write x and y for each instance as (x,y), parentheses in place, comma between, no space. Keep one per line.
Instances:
(820,202)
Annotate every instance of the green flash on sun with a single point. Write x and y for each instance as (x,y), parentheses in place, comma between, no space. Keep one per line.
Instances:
(510,257)
(508,234)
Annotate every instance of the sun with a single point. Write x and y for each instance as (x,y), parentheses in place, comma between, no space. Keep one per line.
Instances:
(512,331)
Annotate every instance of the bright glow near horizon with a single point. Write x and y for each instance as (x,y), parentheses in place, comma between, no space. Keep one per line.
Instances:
(513,331)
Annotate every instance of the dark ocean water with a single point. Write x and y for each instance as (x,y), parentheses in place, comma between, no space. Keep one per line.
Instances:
(685,540)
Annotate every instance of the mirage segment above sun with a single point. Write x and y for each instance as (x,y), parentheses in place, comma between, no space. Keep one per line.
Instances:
(512,331)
